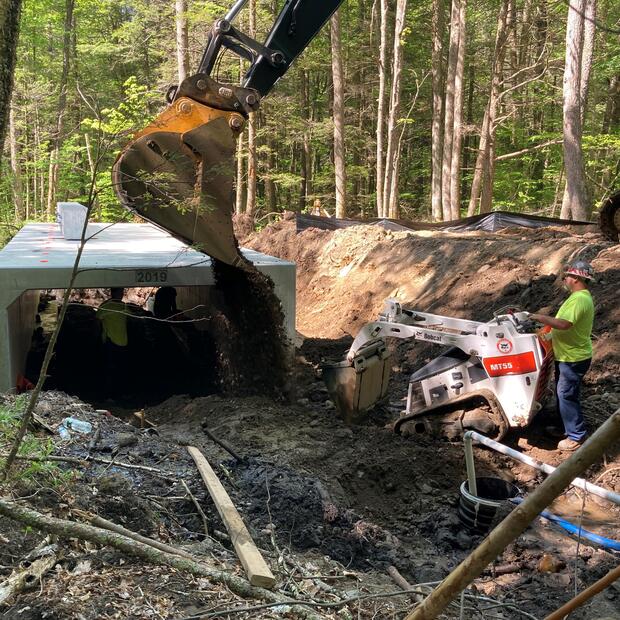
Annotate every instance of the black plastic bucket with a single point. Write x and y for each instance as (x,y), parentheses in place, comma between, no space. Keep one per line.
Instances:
(477,512)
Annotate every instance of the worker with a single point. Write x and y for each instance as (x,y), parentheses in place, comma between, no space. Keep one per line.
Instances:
(113,316)
(165,305)
(572,349)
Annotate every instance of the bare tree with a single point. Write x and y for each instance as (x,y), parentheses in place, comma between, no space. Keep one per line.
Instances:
(457,132)
(611,118)
(16,176)
(438,99)
(390,186)
(575,203)
(338,114)
(180,18)
(448,120)
(250,203)
(587,55)
(240,175)
(62,107)
(381,107)
(482,182)
(306,153)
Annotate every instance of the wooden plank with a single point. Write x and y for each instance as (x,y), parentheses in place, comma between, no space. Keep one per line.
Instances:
(252,561)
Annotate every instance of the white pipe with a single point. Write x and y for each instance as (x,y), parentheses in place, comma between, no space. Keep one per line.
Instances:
(528,460)
(469,463)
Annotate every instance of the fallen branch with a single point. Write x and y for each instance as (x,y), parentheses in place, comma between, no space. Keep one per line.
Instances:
(203,516)
(402,583)
(518,520)
(98,521)
(586,595)
(95,459)
(30,574)
(69,529)
(322,605)
(223,444)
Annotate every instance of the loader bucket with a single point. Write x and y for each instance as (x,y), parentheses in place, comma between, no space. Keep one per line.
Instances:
(178,174)
(356,386)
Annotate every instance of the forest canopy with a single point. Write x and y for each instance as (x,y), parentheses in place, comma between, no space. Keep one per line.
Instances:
(424,86)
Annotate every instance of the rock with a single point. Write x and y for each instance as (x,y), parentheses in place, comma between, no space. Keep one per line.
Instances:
(511,289)
(123,440)
(343,433)
(484,268)
(425,488)
(550,564)
(329,405)
(303,402)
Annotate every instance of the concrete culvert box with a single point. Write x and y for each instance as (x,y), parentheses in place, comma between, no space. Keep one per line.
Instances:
(130,256)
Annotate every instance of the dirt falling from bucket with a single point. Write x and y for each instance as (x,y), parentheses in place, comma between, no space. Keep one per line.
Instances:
(248,330)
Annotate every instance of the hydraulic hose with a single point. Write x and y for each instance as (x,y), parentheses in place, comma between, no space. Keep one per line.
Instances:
(571,528)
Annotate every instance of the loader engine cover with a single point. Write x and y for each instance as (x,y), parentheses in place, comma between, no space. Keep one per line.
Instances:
(356,386)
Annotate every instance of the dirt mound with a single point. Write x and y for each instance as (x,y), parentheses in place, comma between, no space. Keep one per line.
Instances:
(344,276)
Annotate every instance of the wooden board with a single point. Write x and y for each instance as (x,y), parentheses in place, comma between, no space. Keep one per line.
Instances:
(252,561)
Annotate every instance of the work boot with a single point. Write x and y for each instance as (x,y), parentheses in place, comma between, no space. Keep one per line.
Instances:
(569,444)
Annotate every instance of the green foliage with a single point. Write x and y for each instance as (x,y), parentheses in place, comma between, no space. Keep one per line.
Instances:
(123,59)
(32,445)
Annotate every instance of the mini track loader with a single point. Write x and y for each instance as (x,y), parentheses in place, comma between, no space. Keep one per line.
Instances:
(493,377)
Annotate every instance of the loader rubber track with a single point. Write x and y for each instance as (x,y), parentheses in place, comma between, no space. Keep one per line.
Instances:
(474,411)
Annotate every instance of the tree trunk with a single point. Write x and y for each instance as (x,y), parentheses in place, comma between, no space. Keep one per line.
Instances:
(438,100)
(457,139)
(239,185)
(589,31)
(10,11)
(482,183)
(16,174)
(611,118)
(271,201)
(306,155)
(448,121)
(180,18)
(575,204)
(390,187)
(52,182)
(381,111)
(250,204)
(338,114)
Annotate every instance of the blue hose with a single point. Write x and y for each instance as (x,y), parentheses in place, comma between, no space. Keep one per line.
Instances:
(571,528)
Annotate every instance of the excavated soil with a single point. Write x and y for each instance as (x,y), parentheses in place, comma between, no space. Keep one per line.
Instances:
(334,505)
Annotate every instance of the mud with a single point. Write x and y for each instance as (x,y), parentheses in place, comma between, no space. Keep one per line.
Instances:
(248,331)
(322,498)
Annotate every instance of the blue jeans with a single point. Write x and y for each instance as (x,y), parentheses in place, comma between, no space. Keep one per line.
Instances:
(568,376)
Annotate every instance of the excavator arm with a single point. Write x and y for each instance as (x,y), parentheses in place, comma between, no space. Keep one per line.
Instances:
(178,172)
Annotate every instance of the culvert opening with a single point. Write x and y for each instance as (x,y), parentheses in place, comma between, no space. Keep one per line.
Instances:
(140,346)
(144,346)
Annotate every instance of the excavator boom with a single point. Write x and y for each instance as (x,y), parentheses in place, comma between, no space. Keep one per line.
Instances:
(178,172)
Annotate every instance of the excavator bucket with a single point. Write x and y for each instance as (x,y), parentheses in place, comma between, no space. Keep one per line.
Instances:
(357,385)
(178,172)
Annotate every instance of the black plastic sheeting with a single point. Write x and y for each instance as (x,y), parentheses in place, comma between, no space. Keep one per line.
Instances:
(489,222)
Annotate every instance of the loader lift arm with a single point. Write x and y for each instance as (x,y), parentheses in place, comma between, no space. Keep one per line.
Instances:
(503,365)
(178,171)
